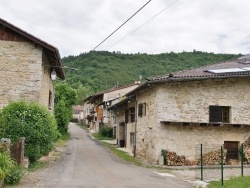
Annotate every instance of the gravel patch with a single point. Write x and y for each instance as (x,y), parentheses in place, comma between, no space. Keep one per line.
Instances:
(36,179)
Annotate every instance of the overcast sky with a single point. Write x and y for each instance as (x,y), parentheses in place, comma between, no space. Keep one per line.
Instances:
(77,26)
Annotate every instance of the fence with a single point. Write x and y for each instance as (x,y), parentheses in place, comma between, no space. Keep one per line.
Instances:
(225,158)
(16,150)
(212,162)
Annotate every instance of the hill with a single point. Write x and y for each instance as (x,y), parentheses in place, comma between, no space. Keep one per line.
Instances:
(100,70)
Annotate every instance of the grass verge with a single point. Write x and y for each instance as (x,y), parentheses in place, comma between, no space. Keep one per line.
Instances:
(36,165)
(123,155)
(234,182)
(98,136)
(61,142)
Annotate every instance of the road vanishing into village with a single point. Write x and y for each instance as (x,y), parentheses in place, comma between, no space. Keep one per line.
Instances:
(88,164)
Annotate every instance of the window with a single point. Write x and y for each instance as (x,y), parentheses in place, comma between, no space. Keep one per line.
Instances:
(141,109)
(50,100)
(132,114)
(219,114)
(126,116)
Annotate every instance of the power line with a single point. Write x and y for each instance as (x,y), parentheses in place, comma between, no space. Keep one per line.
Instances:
(145,23)
(121,25)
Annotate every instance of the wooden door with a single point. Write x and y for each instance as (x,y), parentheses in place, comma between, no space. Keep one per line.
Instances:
(232,148)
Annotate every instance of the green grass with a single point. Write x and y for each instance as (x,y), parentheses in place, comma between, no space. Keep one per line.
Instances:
(36,165)
(61,142)
(98,136)
(123,155)
(234,182)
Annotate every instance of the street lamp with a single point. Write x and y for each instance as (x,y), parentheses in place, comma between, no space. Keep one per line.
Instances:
(53,75)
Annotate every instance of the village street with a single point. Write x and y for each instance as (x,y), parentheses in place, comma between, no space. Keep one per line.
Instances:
(86,163)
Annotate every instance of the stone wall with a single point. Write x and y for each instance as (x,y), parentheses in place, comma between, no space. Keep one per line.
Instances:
(21,73)
(189,102)
(47,86)
(146,140)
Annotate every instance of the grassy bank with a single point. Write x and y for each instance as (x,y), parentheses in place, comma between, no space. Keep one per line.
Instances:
(235,182)
(121,154)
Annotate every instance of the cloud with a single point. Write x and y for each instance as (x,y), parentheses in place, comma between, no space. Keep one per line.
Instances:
(78,26)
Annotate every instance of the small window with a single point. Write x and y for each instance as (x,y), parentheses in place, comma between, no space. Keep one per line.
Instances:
(50,100)
(126,116)
(141,109)
(219,114)
(132,114)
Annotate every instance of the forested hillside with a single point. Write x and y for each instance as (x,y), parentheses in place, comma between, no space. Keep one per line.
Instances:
(100,70)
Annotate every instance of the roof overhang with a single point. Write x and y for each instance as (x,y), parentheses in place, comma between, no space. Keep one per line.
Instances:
(56,63)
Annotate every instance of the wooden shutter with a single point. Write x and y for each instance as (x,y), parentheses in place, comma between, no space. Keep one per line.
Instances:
(232,149)
(126,116)
(140,110)
(215,114)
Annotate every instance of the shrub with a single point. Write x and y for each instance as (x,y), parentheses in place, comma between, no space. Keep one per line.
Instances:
(106,131)
(6,165)
(33,122)
(14,176)
(63,116)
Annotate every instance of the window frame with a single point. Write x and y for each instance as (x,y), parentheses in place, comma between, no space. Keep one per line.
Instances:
(132,114)
(219,114)
(141,109)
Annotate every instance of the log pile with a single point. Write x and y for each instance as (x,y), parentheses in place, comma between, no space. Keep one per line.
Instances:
(247,155)
(246,145)
(214,157)
(175,160)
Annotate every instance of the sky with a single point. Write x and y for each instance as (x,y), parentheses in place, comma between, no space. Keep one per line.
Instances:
(162,26)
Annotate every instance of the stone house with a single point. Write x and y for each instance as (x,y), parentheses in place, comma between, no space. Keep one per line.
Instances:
(180,111)
(78,113)
(97,104)
(26,65)
(125,115)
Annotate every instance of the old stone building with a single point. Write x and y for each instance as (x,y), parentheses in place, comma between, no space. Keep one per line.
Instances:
(180,111)
(95,106)
(26,64)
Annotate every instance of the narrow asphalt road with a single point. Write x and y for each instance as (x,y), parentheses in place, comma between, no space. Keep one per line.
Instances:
(86,163)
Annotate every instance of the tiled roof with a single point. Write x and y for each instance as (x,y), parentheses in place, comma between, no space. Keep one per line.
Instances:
(77,109)
(201,72)
(115,89)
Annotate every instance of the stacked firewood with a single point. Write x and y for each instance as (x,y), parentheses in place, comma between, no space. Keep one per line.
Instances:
(214,157)
(175,160)
(247,156)
(247,150)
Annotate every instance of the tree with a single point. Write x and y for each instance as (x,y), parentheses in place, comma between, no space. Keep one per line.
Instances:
(83,92)
(100,69)
(65,97)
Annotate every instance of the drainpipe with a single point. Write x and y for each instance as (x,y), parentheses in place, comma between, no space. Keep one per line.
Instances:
(135,126)
(117,126)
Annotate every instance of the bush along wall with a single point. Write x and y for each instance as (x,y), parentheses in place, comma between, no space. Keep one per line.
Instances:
(32,121)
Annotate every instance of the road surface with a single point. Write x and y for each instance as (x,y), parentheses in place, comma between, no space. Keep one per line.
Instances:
(87,164)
